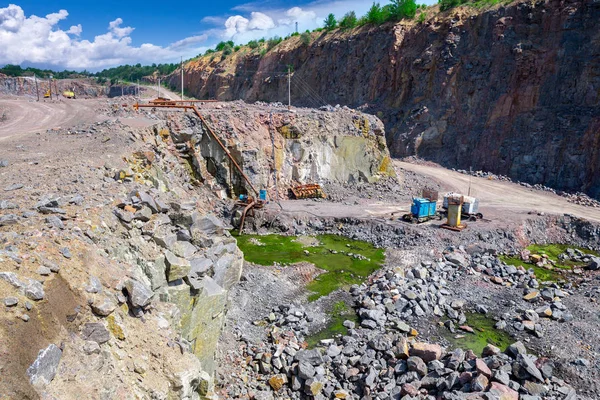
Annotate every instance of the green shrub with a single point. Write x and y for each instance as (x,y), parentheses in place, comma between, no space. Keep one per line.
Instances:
(237,48)
(253,44)
(349,20)
(330,22)
(262,40)
(305,38)
(221,45)
(448,4)
(422,17)
(274,41)
(227,49)
(209,51)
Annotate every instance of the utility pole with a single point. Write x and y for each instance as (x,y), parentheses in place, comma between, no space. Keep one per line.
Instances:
(181,78)
(56,87)
(121,88)
(138,89)
(158,88)
(289,88)
(50,87)
(296,26)
(470,176)
(36,87)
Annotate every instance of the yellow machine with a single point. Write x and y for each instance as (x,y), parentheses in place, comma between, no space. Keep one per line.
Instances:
(69,94)
(47,94)
(453,223)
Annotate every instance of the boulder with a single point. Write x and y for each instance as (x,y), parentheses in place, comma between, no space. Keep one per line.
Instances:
(177,267)
(44,368)
(96,332)
(139,294)
(426,351)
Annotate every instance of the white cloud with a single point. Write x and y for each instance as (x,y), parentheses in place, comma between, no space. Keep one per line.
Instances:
(260,21)
(117,31)
(188,41)
(75,30)
(39,41)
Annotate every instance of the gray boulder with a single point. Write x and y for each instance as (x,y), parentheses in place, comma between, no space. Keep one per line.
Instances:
(139,294)
(96,332)
(44,368)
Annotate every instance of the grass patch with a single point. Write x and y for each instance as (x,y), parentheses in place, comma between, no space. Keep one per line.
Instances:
(330,255)
(552,251)
(485,333)
(542,274)
(340,312)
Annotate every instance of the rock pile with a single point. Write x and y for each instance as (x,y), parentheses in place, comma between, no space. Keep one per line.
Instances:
(386,365)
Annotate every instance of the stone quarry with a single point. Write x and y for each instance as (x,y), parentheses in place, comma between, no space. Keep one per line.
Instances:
(125,272)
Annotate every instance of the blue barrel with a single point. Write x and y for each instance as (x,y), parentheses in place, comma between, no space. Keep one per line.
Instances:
(262,195)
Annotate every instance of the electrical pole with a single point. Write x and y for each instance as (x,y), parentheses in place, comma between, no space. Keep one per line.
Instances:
(50,87)
(296,26)
(158,88)
(181,78)
(289,88)
(36,87)
(138,89)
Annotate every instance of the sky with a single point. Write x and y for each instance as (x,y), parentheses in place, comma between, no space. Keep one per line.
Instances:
(78,35)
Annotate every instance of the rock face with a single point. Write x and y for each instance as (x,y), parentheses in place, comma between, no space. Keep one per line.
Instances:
(308,146)
(513,90)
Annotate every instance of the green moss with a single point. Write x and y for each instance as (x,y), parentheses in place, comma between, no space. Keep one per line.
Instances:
(542,274)
(340,312)
(330,255)
(554,250)
(485,333)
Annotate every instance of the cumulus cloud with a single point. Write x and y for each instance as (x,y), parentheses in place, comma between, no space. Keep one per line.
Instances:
(75,30)
(281,22)
(33,40)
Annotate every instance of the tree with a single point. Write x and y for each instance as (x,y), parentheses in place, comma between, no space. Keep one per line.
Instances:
(400,9)
(376,15)
(349,20)
(330,22)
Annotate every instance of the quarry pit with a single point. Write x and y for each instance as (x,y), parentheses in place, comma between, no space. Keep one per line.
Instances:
(154,251)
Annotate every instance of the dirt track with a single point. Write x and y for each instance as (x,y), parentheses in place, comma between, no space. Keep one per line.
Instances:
(502,199)
(499,201)
(24,116)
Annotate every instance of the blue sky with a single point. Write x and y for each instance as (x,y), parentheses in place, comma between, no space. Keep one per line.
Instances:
(95,35)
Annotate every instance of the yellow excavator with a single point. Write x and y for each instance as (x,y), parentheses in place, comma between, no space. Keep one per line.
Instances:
(69,94)
(47,94)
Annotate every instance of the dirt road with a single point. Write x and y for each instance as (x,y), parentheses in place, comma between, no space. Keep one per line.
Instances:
(502,199)
(499,201)
(24,116)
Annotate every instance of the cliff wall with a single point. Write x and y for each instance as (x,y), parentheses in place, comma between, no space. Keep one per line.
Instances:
(514,90)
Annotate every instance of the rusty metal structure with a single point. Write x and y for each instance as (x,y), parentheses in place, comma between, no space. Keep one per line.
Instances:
(248,203)
(309,191)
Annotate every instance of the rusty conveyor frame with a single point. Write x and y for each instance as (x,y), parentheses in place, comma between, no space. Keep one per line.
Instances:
(192,107)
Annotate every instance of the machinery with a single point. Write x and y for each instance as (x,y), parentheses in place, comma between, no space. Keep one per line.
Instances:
(423,208)
(69,94)
(245,203)
(454,204)
(469,208)
(47,94)
(309,191)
